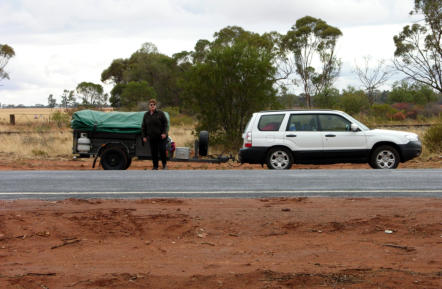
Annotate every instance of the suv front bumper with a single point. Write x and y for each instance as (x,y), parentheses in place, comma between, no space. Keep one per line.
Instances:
(410,150)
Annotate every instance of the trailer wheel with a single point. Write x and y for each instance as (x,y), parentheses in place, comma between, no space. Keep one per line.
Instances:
(114,159)
(129,162)
(203,143)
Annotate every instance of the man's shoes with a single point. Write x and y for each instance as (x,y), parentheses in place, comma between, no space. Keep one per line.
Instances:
(164,167)
(155,169)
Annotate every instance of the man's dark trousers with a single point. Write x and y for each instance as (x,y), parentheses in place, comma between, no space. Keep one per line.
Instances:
(158,145)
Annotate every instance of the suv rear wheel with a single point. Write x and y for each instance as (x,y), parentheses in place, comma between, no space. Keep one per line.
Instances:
(384,157)
(279,159)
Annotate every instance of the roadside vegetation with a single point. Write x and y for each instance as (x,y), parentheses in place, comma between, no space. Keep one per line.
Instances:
(42,133)
(218,85)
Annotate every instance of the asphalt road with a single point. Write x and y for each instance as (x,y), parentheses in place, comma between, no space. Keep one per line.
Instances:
(52,185)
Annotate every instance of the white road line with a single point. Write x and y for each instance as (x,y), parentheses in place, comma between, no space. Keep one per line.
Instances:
(224,192)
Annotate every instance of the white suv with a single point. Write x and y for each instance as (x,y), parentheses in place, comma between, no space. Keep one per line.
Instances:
(281,138)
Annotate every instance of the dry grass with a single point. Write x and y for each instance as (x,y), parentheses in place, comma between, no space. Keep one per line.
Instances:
(35,137)
(182,135)
(26,116)
(38,138)
(55,143)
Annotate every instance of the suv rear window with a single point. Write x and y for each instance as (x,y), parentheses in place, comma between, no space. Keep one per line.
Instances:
(270,122)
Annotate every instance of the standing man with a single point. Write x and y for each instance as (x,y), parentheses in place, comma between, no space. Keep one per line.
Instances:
(154,130)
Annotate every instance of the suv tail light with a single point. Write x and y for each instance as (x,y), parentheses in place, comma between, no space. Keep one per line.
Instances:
(248,140)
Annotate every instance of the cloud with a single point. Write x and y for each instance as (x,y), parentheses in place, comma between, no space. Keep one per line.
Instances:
(61,43)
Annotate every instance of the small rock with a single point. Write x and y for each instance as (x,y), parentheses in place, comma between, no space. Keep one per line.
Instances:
(388,232)
(286,210)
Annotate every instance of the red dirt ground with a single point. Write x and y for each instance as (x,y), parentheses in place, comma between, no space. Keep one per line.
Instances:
(86,164)
(219,243)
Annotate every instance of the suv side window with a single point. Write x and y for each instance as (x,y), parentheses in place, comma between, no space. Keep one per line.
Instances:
(302,122)
(333,122)
(270,122)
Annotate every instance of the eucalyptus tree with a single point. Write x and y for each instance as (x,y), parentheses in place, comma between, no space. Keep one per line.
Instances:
(312,41)
(418,51)
(228,79)
(160,71)
(91,94)
(372,75)
(6,53)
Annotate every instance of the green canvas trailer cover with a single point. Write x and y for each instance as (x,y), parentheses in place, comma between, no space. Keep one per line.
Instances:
(114,122)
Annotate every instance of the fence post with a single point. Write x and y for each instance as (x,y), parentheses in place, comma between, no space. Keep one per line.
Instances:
(12,119)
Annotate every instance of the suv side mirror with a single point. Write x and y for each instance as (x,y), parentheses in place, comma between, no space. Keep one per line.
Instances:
(354,127)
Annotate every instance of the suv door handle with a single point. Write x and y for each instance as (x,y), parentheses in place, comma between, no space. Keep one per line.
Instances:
(291,135)
(330,135)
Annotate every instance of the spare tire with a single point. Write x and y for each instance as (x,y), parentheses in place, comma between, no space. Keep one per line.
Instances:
(203,143)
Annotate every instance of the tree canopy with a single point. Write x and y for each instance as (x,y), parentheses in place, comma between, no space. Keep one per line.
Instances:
(418,51)
(312,40)
(6,53)
(229,79)
(159,71)
(91,94)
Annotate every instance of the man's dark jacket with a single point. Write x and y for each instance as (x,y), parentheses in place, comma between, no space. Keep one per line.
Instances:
(154,125)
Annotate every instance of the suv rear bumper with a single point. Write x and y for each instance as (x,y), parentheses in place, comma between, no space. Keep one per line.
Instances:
(410,150)
(253,155)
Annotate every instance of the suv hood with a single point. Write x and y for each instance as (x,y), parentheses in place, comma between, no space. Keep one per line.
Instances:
(389,132)
(394,133)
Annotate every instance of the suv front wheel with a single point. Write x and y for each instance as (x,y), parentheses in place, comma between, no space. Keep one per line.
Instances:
(384,157)
(279,159)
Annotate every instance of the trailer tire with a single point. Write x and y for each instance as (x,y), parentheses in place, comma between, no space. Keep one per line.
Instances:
(203,143)
(114,159)
(129,162)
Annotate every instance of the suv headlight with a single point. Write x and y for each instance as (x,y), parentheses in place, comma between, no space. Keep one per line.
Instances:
(412,137)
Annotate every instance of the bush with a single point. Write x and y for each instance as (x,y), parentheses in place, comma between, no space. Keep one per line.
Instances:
(353,101)
(61,119)
(383,111)
(326,99)
(178,118)
(399,116)
(433,138)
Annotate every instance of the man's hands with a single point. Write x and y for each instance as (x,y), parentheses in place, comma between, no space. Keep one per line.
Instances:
(163,136)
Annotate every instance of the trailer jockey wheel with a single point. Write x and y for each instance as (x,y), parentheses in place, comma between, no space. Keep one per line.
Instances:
(203,143)
(114,159)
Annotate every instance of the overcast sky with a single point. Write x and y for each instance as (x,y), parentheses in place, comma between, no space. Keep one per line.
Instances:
(60,43)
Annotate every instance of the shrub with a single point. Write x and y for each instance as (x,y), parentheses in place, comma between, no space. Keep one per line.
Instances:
(60,118)
(398,116)
(383,111)
(327,98)
(353,101)
(433,138)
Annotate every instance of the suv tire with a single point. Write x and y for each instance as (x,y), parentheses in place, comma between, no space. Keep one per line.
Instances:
(279,159)
(384,157)
(114,159)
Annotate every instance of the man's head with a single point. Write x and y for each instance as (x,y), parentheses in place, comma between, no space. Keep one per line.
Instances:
(152,104)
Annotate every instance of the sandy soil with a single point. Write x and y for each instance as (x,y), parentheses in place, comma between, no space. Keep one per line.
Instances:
(8,163)
(219,243)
